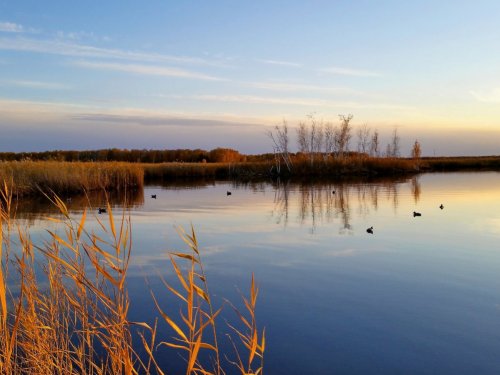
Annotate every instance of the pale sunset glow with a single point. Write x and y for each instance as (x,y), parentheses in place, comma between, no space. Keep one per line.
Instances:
(164,74)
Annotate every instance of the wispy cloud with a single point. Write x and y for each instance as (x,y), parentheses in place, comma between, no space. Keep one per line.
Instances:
(493,96)
(69,48)
(38,85)
(81,35)
(146,70)
(11,27)
(349,72)
(277,62)
(291,87)
(159,120)
(314,102)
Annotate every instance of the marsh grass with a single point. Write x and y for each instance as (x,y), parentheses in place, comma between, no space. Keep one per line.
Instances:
(29,177)
(64,304)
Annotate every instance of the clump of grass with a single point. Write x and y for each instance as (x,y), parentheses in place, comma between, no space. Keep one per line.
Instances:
(28,177)
(64,303)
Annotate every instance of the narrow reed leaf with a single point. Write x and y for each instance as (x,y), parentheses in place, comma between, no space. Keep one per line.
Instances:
(82,224)
(179,273)
(185,256)
(253,348)
(201,293)
(263,341)
(175,346)
(111,220)
(3,289)
(170,321)
(194,354)
(175,292)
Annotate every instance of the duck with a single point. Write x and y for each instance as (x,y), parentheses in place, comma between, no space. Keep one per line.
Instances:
(153,196)
(333,191)
(441,207)
(416,214)
(101,210)
(228,193)
(370,230)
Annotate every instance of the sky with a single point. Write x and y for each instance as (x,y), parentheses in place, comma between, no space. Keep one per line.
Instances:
(206,74)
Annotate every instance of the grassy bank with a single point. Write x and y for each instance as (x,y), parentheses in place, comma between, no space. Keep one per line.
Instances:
(461,163)
(28,177)
(64,306)
(355,166)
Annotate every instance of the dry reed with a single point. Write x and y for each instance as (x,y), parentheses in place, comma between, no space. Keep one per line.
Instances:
(29,177)
(73,316)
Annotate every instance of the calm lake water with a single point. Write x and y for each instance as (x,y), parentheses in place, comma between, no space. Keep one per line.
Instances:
(419,296)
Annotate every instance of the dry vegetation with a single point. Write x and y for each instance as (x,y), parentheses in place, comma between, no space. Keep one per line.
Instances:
(28,177)
(64,305)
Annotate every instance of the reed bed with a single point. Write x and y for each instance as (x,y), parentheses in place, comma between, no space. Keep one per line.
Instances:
(30,177)
(64,305)
(206,170)
(301,167)
(462,163)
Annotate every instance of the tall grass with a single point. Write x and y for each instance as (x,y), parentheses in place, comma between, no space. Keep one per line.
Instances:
(29,177)
(64,304)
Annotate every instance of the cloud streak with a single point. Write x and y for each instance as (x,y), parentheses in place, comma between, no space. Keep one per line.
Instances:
(39,85)
(65,48)
(315,103)
(160,120)
(11,27)
(280,63)
(349,72)
(146,70)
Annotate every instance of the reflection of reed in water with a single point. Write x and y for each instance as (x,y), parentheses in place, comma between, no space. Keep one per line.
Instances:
(38,207)
(317,204)
(415,188)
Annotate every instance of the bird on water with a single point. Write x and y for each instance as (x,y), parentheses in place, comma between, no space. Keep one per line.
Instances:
(370,230)
(416,214)
(153,196)
(228,193)
(101,210)
(441,207)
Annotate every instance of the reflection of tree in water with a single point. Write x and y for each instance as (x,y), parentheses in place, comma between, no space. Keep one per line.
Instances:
(415,188)
(35,208)
(318,204)
(281,194)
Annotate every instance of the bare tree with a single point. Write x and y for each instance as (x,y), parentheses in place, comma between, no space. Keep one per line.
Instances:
(375,144)
(363,135)
(388,151)
(303,137)
(392,150)
(310,137)
(395,143)
(416,151)
(329,139)
(281,140)
(343,135)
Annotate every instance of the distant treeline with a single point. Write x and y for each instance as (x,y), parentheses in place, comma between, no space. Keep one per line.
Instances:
(218,155)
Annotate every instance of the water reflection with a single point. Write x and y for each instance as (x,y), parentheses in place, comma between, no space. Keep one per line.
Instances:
(325,202)
(31,209)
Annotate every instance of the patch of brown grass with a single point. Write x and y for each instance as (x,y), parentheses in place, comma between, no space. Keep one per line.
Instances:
(29,177)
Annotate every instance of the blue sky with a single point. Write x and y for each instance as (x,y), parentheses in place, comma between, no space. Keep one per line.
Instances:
(203,74)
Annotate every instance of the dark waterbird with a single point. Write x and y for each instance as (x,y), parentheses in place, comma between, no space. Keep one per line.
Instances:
(416,214)
(101,210)
(370,230)
(228,193)
(441,207)
(153,196)
(333,191)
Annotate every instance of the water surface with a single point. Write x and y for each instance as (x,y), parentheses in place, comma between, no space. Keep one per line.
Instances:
(421,295)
